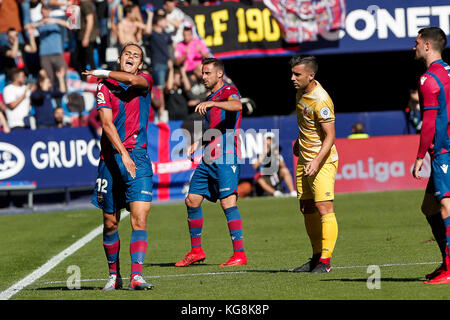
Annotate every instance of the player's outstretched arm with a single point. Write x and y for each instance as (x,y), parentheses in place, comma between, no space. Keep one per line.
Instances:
(133,80)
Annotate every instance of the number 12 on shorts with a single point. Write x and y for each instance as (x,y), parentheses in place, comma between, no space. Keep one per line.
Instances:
(101,185)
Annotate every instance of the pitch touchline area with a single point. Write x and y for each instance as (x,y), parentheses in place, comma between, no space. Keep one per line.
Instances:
(53,262)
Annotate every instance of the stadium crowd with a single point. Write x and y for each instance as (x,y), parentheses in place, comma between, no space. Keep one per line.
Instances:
(45,45)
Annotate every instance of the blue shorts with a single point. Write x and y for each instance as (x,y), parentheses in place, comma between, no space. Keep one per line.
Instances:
(440,174)
(115,189)
(215,181)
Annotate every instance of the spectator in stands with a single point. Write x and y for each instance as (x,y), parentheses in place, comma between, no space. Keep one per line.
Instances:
(271,170)
(60,118)
(158,44)
(358,131)
(12,53)
(116,15)
(102,12)
(198,92)
(413,110)
(175,17)
(9,19)
(41,99)
(58,11)
(86,37)
(17,99)
(130,28)
(51,48)
(35,12)
(3,122)
(175,96)
(191,51)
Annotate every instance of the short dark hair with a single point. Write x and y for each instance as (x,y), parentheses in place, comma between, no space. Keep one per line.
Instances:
(435,36)
(16,71)
(309,61)
(132,44)
(128,9)
(218,64)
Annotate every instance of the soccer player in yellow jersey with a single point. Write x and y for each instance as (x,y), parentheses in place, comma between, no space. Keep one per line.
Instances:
(317,163)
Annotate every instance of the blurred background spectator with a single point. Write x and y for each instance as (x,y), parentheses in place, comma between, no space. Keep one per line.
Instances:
(358,131)
(17,99)
(190,51)
(41,98)
(413,110)
(86,38)
(175,96)
(271,171)
(51,44)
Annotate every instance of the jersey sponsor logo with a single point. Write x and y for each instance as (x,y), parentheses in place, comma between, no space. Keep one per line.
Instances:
(422,80)
(444,168)
(100,98)
(12,160)
(325,112)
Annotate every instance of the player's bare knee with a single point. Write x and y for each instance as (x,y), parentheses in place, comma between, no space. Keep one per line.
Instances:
(228,202)
(139,222)
(189,202)
(324,207)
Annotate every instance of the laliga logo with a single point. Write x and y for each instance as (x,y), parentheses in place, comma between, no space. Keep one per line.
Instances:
(12,160)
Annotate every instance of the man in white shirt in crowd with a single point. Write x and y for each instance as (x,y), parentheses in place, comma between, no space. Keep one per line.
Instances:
(17,100)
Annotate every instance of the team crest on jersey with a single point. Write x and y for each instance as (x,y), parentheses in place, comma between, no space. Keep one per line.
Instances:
(100,98)
(325,112)
(422,80)
(99,197)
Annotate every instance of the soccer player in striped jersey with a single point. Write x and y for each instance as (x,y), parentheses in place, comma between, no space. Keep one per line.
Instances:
(434,93)
(217,174)
(125,172)
(317,163)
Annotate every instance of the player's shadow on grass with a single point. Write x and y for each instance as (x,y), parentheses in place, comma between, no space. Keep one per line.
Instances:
(382,280)
(172,264)
(61,288)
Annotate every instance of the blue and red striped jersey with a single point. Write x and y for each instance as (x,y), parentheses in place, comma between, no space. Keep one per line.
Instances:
(224,141)
(434,93)
(130,107)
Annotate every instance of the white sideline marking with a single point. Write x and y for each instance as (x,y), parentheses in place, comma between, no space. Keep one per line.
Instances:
(246,271)
(53,262)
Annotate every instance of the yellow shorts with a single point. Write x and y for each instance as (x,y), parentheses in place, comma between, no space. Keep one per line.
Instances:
(319,187)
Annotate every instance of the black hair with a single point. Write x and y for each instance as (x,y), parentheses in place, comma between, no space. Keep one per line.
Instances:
(435,36)
(132,44)
(218,64)
(309,61)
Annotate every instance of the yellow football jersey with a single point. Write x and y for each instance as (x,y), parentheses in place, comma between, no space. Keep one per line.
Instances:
(313,108)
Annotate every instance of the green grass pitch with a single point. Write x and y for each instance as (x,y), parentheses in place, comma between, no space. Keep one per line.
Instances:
(385,229)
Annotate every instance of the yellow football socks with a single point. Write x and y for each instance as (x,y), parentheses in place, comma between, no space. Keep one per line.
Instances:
(313,226)
(329,234)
